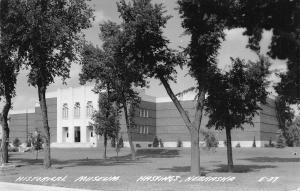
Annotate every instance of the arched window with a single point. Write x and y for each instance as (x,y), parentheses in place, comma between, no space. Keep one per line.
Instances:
(89,108)
(77,110)
(65,111)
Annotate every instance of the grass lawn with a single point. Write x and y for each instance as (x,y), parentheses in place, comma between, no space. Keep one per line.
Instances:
(251,164)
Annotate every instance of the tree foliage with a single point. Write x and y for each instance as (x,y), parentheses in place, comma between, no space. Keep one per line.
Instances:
(50,36)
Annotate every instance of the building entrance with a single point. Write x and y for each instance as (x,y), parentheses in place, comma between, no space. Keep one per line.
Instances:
(77,134)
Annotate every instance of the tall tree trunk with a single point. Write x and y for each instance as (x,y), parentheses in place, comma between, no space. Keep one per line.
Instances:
(42,100)
(105,144)
(195,152)
(129,134)
(5,130)
(194,128)
(229,150)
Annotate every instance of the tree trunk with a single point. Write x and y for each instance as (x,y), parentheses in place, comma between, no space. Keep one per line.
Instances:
(105,144)
(229,150)
(42,100)
(195,153)
(129,134)
(5,130)
(193,128)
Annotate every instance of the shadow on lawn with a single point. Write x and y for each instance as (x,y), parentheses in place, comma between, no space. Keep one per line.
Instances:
(242,168)
(180,169)
(221,168)
(271,159)
(111,161)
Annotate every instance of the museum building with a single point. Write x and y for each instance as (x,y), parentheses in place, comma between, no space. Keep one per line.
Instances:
(70,111)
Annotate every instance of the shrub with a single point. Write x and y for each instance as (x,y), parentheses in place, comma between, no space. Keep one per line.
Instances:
(254,143)
(16,142)
(120,143)
(149,145)
(179,143)
(280,141)
(270,143)
(238,145)
(161,144)
(113,142)
(13,149)
(155,142)
(210,139)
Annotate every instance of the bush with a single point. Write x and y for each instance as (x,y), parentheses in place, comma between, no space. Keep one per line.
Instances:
(161,144)
(155,142)
(280,141)
(210,139)
(16,142)
(120,143)
(270,143)
(254,143)
(113,142)
(149,145)
(179,143)
(13,149)
(238,145)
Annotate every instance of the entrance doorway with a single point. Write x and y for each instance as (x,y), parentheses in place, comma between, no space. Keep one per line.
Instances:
(65,134)
(77,134)
(90,133)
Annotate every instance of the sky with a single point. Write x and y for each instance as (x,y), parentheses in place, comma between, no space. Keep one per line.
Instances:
(233,46)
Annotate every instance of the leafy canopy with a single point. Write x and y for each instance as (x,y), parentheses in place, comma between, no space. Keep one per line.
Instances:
(50,37)
(236,98)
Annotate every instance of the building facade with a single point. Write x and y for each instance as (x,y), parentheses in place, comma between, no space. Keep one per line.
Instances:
(70,111)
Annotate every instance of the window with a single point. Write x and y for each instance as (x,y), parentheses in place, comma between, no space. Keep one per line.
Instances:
(144,113)
(65,111)
(92,134)
(77,110)
(89,108)
(141,129)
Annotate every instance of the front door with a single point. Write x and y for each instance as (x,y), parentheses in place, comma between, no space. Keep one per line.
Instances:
(77,134)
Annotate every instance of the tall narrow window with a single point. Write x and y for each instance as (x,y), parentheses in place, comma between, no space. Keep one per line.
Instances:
(89,108)
(65,111)
(77,110)
(141,129)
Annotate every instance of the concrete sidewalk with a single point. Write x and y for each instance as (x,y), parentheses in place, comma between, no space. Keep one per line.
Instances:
(5,186)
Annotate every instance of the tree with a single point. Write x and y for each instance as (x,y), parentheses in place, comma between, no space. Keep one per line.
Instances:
(282,17)
(37,142)
(284,116)
(106,120)
(9,65)
(51,31)
(147,48)
(109,68)
(237,99)
(155,142)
